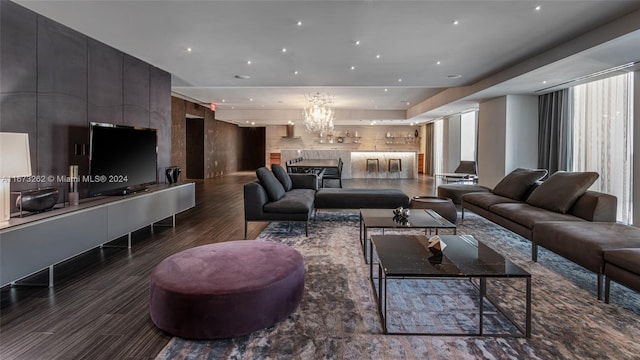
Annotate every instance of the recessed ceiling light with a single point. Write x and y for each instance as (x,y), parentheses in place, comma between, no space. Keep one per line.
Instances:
(353,67)
(250,99)
(242,77)
(233,108)
(378,56)
(454,76)
(247,121)
(408,103)
(253,123)
(248,62)
(299,23)
(357,42)
(400,80)
(284,50)
(538,8)
(437,62)
(188,49)
(385,90)
(544,81)
(295,72)
(455,22)
(223,100)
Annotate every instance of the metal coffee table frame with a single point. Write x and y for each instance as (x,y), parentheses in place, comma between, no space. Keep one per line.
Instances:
(380,292)
(383,219)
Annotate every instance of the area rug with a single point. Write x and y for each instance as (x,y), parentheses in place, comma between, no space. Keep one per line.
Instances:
(338,317)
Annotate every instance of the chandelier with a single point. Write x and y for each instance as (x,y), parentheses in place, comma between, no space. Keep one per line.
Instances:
(318,115)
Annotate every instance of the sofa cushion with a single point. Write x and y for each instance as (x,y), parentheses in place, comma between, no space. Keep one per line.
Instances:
(296,201)
(517,183)
(282,176)
(561,190)
(275,190)
(527,215)
(486,200)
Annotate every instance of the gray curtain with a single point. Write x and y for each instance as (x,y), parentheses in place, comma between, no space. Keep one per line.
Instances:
(555,136)
(428,156)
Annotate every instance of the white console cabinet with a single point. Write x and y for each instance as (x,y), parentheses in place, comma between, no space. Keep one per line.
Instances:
(34,243)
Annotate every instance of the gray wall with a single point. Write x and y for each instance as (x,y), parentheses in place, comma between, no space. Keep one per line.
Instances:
(55,81)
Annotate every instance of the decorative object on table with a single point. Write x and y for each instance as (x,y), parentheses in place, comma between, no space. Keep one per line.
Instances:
(15,161)
(436,245)
(416,133)
(37,200)
(318,115)
(340,139)
(74,196)
(348,134)
(173,174)
(401,215)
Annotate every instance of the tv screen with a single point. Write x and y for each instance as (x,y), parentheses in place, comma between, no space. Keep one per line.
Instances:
(122,159)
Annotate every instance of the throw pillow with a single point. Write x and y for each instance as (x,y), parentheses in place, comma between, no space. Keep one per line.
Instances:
(275,190)
(561,190)
(282,176)
(516,184)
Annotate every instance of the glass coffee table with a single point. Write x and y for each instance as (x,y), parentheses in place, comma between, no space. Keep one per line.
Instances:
(383,219)
(405,257)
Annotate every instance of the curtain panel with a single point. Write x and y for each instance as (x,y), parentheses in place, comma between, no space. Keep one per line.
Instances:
(555,136)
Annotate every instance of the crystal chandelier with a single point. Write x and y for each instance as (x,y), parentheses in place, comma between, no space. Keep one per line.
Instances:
(318,115)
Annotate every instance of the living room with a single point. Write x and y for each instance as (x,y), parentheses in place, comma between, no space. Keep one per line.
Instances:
(99,304)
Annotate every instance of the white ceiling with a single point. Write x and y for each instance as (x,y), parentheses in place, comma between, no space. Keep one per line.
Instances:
(498,48)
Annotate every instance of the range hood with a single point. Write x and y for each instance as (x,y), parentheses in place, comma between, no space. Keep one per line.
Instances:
(290,132)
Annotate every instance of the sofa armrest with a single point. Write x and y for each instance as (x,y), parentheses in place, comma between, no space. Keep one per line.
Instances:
(304,181)
(255,197)
(596,206)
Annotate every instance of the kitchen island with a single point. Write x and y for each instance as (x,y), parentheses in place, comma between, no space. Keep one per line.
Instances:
(404,164)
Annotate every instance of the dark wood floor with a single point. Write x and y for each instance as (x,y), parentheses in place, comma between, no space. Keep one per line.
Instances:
(98,308)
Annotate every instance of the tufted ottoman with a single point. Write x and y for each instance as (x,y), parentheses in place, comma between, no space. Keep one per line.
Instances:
(227,289)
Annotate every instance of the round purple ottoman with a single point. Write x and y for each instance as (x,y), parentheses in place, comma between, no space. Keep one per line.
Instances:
(226,289)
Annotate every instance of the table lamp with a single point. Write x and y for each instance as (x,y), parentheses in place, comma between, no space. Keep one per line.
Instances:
(15,161)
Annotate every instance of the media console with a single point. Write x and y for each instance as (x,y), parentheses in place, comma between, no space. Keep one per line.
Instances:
(32,244)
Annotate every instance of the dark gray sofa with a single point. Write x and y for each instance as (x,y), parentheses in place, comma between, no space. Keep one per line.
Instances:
(268,200)
(558,214)
(280,196)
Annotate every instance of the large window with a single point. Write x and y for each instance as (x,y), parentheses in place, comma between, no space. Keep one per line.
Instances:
(602,113)
(468,136)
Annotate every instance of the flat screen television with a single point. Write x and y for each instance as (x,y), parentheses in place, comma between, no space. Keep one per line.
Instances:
(122,159)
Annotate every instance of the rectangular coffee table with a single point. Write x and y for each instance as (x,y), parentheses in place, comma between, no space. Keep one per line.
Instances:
(405,257)
(383,219)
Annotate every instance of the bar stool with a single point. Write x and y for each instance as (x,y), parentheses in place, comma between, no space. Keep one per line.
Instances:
(397,163)
(371,163)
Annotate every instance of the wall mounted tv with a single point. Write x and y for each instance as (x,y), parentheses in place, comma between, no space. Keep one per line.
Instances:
(122,159)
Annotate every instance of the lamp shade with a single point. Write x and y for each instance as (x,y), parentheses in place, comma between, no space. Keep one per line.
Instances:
(15,159)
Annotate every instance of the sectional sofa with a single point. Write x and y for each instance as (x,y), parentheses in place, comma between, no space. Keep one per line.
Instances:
(280,196)
(559,214)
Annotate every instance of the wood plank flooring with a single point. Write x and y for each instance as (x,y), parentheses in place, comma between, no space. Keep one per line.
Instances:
(98,308)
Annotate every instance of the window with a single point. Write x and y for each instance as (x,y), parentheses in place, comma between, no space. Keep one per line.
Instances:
(602,113)
(468,136)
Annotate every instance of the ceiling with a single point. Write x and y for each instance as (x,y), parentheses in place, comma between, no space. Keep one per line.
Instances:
(397,61)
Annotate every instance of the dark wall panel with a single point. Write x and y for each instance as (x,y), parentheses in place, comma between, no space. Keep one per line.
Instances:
(252,149)
(18,85)
(136,91)
(56,80)
(62,96)
(160,111)
(195,148)
(104,83)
